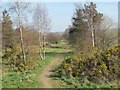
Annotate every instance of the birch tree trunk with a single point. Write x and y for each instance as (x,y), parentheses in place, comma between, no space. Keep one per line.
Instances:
(40,46)
(22,44)
(93,37)
(41,24)
(21,31)
(19,7)
(44,45)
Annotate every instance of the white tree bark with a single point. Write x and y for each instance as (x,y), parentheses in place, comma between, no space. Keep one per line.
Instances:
(41,24)
(19,8)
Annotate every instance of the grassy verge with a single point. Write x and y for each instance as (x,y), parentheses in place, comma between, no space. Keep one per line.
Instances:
(57,50)
(21,80)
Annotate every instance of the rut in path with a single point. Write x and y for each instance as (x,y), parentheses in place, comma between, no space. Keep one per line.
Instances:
(44,77)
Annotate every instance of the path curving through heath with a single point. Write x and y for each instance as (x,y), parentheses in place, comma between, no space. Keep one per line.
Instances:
(44,77)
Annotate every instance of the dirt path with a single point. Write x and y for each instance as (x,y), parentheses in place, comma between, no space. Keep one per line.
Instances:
(44,77)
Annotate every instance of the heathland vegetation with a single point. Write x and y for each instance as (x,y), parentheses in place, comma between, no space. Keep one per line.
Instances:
(89,49)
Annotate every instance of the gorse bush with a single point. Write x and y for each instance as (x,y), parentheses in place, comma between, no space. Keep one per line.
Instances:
(12,58)
(99,66)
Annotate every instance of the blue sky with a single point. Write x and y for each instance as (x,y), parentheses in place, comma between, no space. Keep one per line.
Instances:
(61,13)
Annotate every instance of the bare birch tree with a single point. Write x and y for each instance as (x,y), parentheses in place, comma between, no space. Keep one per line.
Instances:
(46,27)
(19,9)
(41,23)
(38,25)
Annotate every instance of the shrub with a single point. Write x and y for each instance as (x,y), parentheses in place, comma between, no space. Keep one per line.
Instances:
(99,66)
(12,58)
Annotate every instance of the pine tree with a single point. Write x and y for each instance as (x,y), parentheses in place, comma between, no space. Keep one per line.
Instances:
(77,32)
(7,31)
